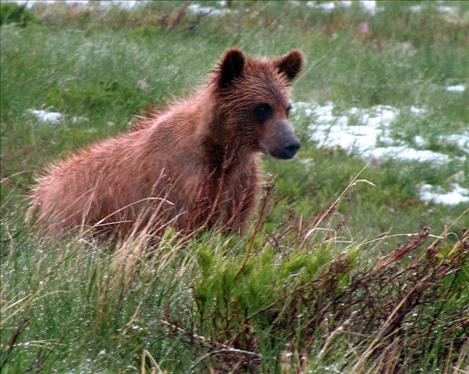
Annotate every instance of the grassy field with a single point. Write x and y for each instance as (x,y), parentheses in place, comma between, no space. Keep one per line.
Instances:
(344,268)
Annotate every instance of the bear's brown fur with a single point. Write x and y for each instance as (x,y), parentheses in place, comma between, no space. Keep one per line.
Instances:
(191,165)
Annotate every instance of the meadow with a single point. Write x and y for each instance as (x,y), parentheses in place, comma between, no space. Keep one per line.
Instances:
(357,258)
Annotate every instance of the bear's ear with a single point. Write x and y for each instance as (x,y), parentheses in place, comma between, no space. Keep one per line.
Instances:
(230,67)
(290,64)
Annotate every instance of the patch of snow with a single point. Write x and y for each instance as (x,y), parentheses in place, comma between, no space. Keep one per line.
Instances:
(53,117)
(447,12)
(447,9)
(124,4)
(329,6)
(45,116)
(415,8)
(331,130)
(199,9)
(79,119)
(420,141)
(456,88)
(437,195)
(369,6)
(405,153)
(416,110)
(363,130)
(460,141)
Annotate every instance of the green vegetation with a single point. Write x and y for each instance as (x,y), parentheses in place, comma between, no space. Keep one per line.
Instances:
(15,14)
(337,273)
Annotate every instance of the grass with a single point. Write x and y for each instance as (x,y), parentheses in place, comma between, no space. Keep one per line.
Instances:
(357,286)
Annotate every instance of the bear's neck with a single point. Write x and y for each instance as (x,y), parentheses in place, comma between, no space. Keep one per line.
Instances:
(224,153)
(222,159)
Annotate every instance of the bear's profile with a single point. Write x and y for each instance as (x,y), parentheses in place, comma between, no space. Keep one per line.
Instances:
(191,165)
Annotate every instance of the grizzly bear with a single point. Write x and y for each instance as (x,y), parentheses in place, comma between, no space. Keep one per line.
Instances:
(191,165)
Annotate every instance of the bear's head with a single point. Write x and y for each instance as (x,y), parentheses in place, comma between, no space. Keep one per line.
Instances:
(253,101)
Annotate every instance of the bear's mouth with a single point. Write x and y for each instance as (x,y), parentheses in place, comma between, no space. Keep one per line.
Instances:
(285,153)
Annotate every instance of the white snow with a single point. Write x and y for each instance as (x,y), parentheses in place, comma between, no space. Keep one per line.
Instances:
(444,9)
(367,133)
(420,141)
(368,5)
(437,195)
(460,141)
(415,8)
(199,9)
(370,129)
(124,4)
(416,110)
(456,88)
(45,116)
(447,9)
(371,6)
(406,153)
(53,117)
(323,6)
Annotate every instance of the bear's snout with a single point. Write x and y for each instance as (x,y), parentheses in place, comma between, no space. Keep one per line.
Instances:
(290,150)
(281,141)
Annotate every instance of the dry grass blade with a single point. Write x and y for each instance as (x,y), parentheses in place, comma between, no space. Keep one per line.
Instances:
(461,365)
(331,209)
(260,220)
(401,251)
(154,368)
(11,345)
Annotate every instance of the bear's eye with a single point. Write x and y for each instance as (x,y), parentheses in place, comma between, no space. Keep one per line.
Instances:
(288,110)
(263,112)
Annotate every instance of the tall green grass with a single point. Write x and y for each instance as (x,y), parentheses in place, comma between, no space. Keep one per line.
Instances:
(294,299)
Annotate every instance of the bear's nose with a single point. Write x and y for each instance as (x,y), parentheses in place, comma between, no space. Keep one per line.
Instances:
(290,150)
